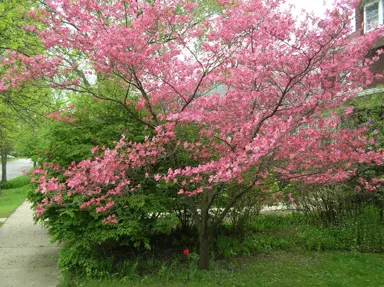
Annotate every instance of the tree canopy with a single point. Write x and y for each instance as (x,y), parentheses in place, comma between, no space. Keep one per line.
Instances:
(280,76)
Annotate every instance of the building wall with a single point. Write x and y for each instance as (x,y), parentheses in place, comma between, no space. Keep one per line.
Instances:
(377,67)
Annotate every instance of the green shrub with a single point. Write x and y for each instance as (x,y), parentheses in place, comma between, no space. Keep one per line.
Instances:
(363,232)
(96,249)
(16,182)
(243,212)
(228,246)
(329,205)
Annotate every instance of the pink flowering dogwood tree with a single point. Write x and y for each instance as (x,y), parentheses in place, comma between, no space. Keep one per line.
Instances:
(280,79)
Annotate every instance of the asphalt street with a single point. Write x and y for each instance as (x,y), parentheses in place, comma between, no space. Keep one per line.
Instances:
(16,167)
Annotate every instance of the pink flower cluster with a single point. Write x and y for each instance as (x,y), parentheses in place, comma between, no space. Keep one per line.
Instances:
(240,96)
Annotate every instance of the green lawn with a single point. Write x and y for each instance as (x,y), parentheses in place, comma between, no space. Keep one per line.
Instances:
(10,199)
(277,269)
(13,195)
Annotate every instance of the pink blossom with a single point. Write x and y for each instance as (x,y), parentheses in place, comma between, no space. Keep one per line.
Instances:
(39,210)
(111,219)
(271,119)
(348,111)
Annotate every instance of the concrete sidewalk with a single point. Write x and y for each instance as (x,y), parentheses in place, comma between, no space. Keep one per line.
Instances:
(27,258)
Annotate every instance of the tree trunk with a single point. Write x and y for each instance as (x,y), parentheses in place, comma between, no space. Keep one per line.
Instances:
(4,166)
(204,252)
(204,229)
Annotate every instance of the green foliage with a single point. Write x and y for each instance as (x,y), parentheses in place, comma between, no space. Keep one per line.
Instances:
(12,21)
(89,246)
(328,203)
(369,112)
(245,209)
(94,248)
(363,232)
(28,101)
(250,205)
(16,182)
(96,124)
(266,234)
(332,204)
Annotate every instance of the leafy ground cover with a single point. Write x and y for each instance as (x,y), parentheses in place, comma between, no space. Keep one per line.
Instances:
(13,193)
(274,269)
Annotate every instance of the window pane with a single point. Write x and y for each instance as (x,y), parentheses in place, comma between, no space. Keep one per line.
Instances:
(372,16)
(372,10)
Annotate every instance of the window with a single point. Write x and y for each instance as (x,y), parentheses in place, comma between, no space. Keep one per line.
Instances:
(373,15)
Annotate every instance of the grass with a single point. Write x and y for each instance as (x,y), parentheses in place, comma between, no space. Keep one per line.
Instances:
(13,194)
(276,269)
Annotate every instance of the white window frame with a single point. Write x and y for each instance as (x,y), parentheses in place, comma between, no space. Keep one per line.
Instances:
(354,21)
(380,12)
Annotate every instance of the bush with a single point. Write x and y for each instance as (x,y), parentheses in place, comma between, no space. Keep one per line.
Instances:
(363,232)
(94,248)
(330,204)
(16,182)
(243,212)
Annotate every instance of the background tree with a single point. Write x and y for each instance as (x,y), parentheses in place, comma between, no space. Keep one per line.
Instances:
(7,136)
(23,105)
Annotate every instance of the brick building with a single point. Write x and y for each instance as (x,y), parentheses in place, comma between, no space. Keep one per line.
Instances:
(369,15)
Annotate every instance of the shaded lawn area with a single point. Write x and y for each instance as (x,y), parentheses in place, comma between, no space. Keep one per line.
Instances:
(13,195)
(10,199)
(276,269)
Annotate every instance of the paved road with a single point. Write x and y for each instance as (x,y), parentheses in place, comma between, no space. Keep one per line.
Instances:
(16,167)
(27,257)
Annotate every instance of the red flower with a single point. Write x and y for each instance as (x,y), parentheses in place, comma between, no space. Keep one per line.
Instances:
(186,251)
